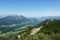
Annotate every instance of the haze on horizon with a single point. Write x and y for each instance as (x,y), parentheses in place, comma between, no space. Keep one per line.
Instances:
(30,8)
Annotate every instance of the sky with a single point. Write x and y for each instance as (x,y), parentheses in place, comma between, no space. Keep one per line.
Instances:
(30,8)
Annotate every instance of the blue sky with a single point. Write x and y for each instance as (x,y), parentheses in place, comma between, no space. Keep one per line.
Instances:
(30,8)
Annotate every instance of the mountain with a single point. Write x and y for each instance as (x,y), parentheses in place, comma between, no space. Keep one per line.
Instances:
(18,19)
(11,23)
(40,19)
(8,20)
(46,30)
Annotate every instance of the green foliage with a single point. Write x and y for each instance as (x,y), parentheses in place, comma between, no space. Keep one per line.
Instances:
(50,31)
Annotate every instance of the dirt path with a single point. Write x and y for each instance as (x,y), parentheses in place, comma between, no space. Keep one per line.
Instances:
(35,30)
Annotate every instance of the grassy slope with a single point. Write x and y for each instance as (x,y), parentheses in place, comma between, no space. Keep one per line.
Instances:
(50,31)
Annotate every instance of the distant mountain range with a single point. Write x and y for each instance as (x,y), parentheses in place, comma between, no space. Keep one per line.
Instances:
(8,20)
(40,19)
